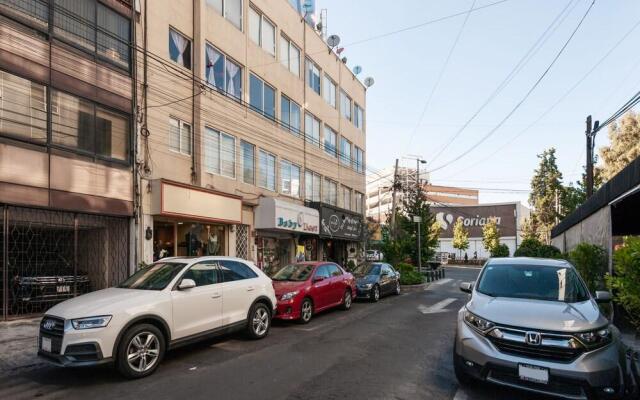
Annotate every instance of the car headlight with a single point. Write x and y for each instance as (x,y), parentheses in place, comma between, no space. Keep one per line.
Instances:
(91,322)
(480,324)
(366,286)
(596,338)
(289,296)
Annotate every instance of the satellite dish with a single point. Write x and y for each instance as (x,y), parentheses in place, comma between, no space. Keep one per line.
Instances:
(344,60)
(357,69)
(333,40)
(368,82)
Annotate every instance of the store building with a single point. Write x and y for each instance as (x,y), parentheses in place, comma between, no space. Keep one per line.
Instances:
(240,102)
(341,234)
(285,232)
(509,218)
(66,140)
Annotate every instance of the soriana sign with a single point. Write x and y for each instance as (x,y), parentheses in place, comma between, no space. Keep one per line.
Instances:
(275,214)
(474,218)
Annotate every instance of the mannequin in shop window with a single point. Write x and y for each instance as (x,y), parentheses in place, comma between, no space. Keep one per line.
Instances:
(213,245)
(194,245)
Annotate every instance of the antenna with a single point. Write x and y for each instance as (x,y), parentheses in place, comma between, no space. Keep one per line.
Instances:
(333,41)
(357,69)
(344,60)
(369,81)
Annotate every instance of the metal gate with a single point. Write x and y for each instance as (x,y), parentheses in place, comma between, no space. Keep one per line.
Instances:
(242,241)
(50,256)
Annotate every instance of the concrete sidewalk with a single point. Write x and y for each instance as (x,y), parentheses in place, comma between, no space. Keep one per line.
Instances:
(18,346)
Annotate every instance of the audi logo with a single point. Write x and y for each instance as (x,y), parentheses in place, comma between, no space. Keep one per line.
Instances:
(49,324)
(533,338)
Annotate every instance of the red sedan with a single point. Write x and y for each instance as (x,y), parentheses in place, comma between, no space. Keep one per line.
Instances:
(306,288)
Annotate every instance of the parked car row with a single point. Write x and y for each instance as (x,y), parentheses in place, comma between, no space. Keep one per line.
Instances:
(178,300)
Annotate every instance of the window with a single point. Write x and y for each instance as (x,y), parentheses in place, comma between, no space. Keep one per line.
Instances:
(267,177)
(93,27)
(222,73)
(313,76)
(359,159)
(220,153)
(203,274)
(290,55)
(235,271)
(358,116)
(322,271)
(312,129)
(179,136)
(80,124)
(330,192)
(290,115)
(248,164)
(23,108)
(334,270)
(329,89)
(345,152)
(179,48)
(346,198)
(312,186)
(289,179)
(231,10)
(262,31)
(32,11)
(262,97)
(330,138)
(358,202)
(345,105)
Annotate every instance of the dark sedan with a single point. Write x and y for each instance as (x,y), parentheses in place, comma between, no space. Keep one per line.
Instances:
(374,280)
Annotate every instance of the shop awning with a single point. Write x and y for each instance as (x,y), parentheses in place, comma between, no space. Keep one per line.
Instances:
(280,215)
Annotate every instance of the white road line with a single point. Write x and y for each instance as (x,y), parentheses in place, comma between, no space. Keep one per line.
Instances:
(461,395)
(442,281)
(436,308)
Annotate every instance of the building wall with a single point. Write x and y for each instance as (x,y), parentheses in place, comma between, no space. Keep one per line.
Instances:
(475,245)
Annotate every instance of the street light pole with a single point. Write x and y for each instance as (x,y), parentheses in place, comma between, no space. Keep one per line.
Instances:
(417,219)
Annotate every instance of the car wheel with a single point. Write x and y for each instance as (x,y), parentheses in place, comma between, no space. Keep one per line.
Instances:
(259,321)
(306,311)
(347,299)
(140,351)
(375,293)
(397,292)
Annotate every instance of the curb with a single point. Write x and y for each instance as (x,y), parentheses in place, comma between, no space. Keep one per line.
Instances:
(414,288)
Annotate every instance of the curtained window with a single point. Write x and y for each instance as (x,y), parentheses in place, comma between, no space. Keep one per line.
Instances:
(179,48)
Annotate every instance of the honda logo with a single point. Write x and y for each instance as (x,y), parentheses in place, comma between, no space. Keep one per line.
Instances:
(49,324)
(533,338)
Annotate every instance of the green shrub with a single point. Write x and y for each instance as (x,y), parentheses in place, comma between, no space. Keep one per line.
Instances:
(591,261)
(351,265)
(501,251)
(411,278)
(404,268)
(625,284)
(534,248)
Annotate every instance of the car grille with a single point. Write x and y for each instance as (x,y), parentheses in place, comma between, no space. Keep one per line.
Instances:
(568,388)
(552,346)
(52,328)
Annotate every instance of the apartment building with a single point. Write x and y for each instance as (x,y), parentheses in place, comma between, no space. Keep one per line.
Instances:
(66,176)
(252,139)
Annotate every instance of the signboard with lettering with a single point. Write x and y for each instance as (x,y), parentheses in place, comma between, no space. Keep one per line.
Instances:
(340,224)
(275,214)
(475,217)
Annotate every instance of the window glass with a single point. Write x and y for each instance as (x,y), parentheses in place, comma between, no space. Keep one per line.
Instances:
(289,179)
(215,71)
(233,12)
(359,159)
(112,134)
(212,150)
(268,36)
(185,138)
(358,202)
(113,36)
(330,141)
(154,277)
(267,177)
(322,271)
(313,76)
(74,125)
(345,105)
(345,151)
(248,167)
(294,273)
(312,186)
(255,93)
(269,102)
(235,271)
(228,155)
(290,114)
(23,108)
(312,129)
(32,11)
(75,21)
(284,52)
(216,4)
(180,49)
(346,198)
(203,274)
(334,270)
(358,116)
(179,136)
(254,26)
(294,60)
(234,79)
(329,93)
(330,192)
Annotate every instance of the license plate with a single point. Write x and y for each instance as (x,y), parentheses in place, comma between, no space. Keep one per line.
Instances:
(46,344)
(532,373)
(63,289)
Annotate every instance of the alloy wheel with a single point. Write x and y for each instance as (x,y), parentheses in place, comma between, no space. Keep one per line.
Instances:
(397,287)
(376,293)
(347,299)
(143,351)
(260,321)
(307,310)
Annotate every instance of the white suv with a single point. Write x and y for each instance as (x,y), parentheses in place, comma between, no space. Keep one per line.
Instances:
(173,302)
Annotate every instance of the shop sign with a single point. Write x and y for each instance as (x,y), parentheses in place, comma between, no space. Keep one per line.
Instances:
(340,224)
(474,218)
(277,214)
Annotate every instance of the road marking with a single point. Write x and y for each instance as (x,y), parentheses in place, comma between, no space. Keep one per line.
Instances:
(460,395)
(436,308)
(442,281)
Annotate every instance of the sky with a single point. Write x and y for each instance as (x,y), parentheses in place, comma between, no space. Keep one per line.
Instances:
(406,67)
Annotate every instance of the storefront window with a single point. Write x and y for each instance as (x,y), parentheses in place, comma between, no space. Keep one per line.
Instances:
(188,239)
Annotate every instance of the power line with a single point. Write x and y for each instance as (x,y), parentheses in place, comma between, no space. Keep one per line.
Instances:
(526,96)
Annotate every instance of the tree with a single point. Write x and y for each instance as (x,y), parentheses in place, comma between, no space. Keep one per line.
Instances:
(530,228)
(624,136)
(574,196)
(490,236)
(460,236)
(546,192)
(501,251)
(591,262)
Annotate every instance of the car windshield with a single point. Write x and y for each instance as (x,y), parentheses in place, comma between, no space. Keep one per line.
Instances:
(154,277)
(539,282)
(294,272)
(367,269)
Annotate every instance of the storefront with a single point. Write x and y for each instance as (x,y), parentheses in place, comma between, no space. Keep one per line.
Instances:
(285,232)
(192,221)
(341,234)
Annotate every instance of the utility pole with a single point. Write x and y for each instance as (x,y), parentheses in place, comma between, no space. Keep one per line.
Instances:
(393,201)
(591,135)
(417,219)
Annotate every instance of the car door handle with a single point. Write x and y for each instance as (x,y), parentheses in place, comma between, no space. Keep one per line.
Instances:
(250,288)
(216,295)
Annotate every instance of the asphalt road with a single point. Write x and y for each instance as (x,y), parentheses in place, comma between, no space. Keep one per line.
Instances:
(399,348)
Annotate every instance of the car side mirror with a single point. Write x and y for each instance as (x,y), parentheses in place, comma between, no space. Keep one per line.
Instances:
(187,284)
(603,296)
(318,278)
(466,287)
(385,274)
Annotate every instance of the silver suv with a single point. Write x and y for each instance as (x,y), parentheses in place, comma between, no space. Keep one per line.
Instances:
(532,324)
